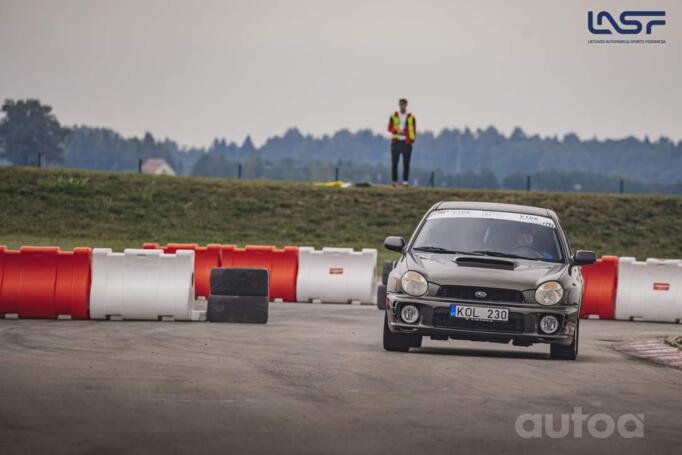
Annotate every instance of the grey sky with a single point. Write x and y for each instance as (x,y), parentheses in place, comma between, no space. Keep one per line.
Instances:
(194,70)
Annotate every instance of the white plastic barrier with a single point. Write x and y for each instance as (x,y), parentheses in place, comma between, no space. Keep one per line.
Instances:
(336,275)
(649,290)
(142,284)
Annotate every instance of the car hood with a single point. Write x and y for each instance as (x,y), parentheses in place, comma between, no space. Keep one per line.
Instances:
(485,271)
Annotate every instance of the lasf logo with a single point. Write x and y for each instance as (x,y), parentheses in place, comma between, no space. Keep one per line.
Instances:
(625,25)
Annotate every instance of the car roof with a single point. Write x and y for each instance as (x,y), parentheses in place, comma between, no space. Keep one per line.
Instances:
(494,206)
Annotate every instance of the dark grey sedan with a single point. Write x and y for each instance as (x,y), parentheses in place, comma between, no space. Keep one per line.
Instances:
(486,272)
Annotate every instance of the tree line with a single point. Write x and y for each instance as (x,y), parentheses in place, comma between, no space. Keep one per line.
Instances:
(484,158)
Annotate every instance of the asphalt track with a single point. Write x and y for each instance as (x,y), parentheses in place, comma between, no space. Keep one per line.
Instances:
(315,380)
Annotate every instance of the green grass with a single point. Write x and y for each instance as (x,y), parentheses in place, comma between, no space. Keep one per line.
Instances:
(117,210)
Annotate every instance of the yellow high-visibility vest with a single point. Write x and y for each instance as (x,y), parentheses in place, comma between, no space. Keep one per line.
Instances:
(410,130)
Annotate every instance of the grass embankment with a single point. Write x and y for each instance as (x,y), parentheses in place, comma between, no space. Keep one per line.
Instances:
(117,210)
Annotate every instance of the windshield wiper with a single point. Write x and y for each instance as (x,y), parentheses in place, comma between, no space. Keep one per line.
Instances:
(437,249)
(499,254)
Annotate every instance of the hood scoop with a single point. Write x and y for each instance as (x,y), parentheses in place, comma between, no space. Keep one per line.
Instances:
(485,263)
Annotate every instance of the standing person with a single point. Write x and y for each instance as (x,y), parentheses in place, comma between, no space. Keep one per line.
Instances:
(403,128)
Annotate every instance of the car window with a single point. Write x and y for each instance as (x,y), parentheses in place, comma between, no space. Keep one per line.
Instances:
(505,233)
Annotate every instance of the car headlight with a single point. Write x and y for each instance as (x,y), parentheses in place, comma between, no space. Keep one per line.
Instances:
(549,293)
(414,283)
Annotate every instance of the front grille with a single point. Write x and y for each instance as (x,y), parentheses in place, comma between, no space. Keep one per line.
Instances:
(441,318)
(492,294)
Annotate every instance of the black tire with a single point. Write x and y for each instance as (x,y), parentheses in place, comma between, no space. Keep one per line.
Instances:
(386,270)
(397,342)
(249,309)
(381,297)
(570,352)
(243,282)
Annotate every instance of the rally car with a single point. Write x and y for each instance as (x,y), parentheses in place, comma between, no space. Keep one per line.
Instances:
(485,272)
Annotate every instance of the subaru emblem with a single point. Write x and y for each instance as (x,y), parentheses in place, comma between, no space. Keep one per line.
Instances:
(481,294)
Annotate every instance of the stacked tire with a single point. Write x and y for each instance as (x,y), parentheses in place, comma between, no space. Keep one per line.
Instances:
(238,295)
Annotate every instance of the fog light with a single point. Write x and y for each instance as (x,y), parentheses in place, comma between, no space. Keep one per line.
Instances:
(549,324)
(409,314)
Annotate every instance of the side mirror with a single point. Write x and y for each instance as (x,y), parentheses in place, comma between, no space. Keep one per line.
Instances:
(394,243)
(584,257)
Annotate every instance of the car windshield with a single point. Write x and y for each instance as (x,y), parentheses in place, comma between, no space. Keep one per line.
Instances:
(500,234)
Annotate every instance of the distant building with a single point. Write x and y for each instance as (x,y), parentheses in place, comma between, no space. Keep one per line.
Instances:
(157,166)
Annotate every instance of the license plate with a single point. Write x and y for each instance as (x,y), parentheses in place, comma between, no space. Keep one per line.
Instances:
(479,313)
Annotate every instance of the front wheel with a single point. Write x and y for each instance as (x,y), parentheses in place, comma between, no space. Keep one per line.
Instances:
(398,342)
(386,269)
(570,352)
(381,297)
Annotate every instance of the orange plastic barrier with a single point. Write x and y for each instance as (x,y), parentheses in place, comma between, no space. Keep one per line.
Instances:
(206,258)
(44,282)
(600,281)
(281,264)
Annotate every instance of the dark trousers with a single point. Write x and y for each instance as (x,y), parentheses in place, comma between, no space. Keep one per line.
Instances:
(400,148)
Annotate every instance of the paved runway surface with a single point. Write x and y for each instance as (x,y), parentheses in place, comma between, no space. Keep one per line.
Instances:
(315,380)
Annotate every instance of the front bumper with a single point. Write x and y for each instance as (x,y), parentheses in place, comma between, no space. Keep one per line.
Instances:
(522,327)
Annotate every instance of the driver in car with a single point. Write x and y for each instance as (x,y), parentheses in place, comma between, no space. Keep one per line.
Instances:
(525,241)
